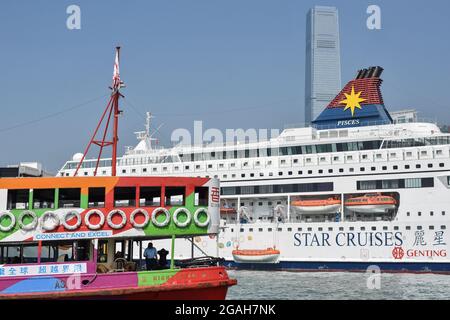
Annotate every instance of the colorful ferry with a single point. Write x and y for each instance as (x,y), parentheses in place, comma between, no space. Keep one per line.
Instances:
(75,237)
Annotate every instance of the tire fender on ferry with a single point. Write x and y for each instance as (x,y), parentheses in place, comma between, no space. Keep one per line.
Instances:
(146,219)
(68,215)
(30,226)
(109,219)
(166,220)
(188,217)
(88,216)
(11,225)
(197,220)
(50,215)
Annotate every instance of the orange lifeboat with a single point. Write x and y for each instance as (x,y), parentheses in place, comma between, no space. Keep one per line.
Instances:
(224,210)
(371,203)
(329,205)
(269,255)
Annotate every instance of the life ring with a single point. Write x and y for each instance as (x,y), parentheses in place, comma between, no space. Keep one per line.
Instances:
(166,220)
(94,226)
(197,220)
(11,225)
(75,214)
(146,220)
(116,225)
(50,215)
(30,226)
(188,219)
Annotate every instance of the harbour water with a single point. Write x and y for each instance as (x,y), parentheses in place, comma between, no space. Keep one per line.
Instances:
(260,285)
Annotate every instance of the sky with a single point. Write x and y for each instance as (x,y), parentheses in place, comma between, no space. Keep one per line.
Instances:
(229,63)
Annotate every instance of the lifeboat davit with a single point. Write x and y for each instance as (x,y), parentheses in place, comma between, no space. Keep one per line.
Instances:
(371,203)
(329,205)
(268,255)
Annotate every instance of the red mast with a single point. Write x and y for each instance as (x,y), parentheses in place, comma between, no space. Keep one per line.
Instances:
(112,109)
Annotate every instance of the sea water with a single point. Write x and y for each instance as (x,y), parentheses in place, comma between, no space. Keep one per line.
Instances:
(337,285)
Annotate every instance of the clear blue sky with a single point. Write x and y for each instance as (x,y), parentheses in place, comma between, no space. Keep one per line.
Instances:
(230,63)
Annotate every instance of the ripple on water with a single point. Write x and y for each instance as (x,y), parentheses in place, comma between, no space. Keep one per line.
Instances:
(283,285)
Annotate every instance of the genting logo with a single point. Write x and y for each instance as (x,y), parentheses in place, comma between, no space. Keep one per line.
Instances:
(398,253)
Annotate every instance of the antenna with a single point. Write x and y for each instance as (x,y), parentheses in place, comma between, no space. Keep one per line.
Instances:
(112,109)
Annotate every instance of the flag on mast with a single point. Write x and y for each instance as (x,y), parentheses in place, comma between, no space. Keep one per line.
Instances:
(116,75)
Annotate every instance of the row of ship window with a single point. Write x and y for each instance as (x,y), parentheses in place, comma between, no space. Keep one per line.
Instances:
(123,197)
(284,151)
(373,228)
(290,173)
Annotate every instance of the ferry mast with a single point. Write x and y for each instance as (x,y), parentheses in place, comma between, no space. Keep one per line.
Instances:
(112,109)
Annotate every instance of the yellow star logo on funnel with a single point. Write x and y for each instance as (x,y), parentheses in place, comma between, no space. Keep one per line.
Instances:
(352,101)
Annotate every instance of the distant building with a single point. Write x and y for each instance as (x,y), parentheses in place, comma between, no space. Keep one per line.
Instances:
(23,169)
(404,116)
(323,60)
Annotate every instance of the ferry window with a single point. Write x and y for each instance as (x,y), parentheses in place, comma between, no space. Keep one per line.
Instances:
(351,169)
(10,254)
(269,229)
(419,227)
(330,228)
(252,175)
(443,227)
(396,228)
(419,213)
(280,173)
(320,171)
(431,213)
(44,198)
(408,214)
(330,170)
(124,171)
(242,230)
(408,227)
(407,166)
(309,229)
(83,248)
(385,228)
(69,198)
(383,168)
(431,227)
(124,196)
(309,171)
(96,197)
(362,169)
(418,166)
(280,229)
(441,165)
(290,173)
(341,229)
(430,165)
(341,170)
(201,196)
(372,168)
(144,170)
(102,253)
(243,175)
(150,196)
(443,213)
(260,230)
(374,228)
(300,172)
(18,199)
(352,228)
(363,228)
(175,196)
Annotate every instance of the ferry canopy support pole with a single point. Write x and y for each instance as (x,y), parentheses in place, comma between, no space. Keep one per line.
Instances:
(172,253)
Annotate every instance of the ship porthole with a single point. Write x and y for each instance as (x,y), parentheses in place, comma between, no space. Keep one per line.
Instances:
(109,219)
(142,224)
(202,217)
(159,211)
(50,215)
(29,226)
(97,225)
(68,216)
(187,219)
(12,222)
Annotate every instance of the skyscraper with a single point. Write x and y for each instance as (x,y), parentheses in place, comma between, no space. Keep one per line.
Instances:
(323,60)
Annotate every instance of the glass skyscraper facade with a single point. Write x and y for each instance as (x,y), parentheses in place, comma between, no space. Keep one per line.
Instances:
(323,60)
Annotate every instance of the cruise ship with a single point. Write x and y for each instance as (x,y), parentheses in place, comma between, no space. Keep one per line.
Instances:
(351,191)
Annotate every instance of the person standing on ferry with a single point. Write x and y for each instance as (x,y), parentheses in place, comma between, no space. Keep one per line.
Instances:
(150,256)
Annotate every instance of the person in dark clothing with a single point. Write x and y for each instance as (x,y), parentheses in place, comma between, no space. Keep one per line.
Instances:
(150,256)
(163,258)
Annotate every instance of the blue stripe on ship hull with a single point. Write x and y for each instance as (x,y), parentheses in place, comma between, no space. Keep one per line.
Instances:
(436,267)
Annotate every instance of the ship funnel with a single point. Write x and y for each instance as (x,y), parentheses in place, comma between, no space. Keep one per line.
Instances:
(377,71)
(360,73)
